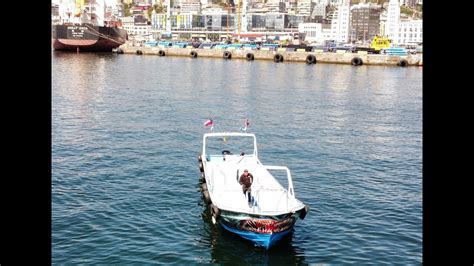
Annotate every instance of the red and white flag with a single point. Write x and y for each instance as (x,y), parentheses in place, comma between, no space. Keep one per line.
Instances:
(209,123)
(246,125)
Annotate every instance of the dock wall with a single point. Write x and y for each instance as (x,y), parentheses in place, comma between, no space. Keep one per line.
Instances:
(287,56)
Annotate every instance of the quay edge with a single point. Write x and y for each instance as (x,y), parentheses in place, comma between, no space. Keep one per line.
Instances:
(288,56)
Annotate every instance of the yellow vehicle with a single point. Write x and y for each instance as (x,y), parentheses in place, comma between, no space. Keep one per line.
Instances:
(379,43)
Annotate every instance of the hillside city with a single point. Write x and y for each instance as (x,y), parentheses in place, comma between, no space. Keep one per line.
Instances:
(306,21)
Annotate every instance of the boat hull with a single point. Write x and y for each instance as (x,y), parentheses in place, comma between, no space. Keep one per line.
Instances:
(87,38)
(262,240)
(264,231)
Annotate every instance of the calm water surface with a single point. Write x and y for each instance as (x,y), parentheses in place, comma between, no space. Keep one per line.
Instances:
(126,132)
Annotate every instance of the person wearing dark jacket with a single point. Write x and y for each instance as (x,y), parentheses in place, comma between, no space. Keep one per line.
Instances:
(246,180)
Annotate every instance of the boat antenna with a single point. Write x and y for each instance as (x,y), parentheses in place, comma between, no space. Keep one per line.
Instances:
(246,125)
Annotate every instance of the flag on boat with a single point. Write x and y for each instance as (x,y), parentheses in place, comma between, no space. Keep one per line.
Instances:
(209,123)
(246,125)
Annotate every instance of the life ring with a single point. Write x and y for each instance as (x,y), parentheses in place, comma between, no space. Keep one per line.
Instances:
(310,59)
(193,54)
(278,58)
(215,213)
(139,52)
(249,57)
(402,63)
(227,55)
(356,61)
(161,53)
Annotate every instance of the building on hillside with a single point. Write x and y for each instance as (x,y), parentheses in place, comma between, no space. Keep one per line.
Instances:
(194,8)
(410,32)
(340,23)
(402,31)
(304,7)
(315,32)
(365,21)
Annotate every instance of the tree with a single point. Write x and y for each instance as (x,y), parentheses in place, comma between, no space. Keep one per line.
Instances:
(406,10)
(126,9)
(159,8)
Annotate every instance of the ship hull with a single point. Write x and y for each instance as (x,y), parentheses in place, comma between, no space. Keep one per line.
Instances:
(263,231)
(87,38)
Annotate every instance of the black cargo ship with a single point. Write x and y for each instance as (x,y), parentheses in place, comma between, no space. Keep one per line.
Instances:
(87,37)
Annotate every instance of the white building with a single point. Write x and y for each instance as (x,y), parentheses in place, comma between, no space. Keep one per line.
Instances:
(402,31)
(319,10)
(410,32)
(340,23)
(383,23)
(128,24)
(303,7)
(179,21)
(191,8)
(393,20)
(315,32)
(213,11)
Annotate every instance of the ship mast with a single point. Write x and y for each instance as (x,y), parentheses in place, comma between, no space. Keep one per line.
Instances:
(241,17)
(78,11)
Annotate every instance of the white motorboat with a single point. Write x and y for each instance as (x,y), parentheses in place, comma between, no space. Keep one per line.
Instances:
(273,209)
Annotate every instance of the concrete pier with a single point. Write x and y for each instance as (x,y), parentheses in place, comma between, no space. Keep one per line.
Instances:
(288,56)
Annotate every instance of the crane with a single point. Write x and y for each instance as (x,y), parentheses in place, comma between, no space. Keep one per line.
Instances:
(238,18)
(228,6)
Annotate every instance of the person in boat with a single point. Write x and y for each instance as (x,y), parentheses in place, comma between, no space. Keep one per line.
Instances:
(246,180)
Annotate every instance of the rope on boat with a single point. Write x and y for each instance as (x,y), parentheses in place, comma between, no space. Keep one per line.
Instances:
(97,33)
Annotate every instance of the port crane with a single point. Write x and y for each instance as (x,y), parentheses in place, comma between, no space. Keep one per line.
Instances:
(241,16)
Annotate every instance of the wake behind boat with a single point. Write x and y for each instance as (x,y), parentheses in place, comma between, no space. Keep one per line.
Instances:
(273,209)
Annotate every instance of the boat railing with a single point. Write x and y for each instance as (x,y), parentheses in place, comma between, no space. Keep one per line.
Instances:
(228,134)
(261,193)
(291,192)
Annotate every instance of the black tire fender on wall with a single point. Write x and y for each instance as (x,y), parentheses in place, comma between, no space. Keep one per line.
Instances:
(357,61)
(402,63)
(310,59)
(278,58)
(227,55)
